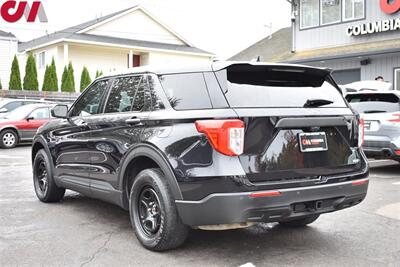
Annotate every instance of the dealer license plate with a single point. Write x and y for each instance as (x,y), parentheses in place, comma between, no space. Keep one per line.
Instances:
(312,142)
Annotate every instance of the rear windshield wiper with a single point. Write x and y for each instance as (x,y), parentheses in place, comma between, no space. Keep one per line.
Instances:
(311,103)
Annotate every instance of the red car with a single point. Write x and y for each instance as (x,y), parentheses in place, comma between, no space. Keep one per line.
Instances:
(21,124)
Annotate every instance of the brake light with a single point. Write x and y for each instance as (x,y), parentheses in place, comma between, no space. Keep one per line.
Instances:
(226,136)
(397,152)
(361,125)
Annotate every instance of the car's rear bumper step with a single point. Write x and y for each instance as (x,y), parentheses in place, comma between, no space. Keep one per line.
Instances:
(286,204)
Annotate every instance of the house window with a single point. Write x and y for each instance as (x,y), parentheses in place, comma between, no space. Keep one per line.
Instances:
(330,11)
(353,9)
(314,13)
(309,13)
(42,60)
(397,79)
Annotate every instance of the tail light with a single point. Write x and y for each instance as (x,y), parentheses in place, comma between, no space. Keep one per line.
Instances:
(361,132)
(226,136)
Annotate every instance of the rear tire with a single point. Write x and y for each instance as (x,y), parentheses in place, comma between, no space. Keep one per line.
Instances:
(300,222)
(8,139)
(45,188)
(153,212)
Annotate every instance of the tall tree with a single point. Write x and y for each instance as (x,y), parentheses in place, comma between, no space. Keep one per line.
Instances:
(46,80)
(15,76)
(30,79)
(53,80)
(71,78)
(85,79)
(64,80)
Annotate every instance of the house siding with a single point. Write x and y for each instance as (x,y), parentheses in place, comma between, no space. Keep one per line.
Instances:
(8,48)
(336,35)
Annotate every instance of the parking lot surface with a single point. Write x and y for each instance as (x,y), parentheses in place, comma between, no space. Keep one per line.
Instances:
(83,232)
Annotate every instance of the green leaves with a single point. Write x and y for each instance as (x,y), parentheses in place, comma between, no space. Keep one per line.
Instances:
(30,80)
(85,79)
(15,76)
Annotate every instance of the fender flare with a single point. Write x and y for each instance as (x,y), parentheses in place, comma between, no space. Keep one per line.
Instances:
(149,151)
(10,127)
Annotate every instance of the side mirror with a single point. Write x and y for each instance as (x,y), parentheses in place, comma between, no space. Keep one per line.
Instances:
(30,118)
(60,111)
(3,110)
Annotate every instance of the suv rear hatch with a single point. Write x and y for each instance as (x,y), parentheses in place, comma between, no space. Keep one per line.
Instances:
(298,126)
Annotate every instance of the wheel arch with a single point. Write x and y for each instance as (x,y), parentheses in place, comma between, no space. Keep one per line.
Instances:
(37,144)
(142,157)
(11,127)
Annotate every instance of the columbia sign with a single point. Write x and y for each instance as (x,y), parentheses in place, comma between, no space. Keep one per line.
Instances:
(387,6)
(13,11)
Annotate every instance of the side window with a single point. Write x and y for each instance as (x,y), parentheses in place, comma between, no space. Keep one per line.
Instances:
(40,114)
(142,97)
(186,91)
(89,103)
(122,94)
(13,105)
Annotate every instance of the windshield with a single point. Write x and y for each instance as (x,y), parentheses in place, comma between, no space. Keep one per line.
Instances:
(374,103)
(19,113)
(248,86)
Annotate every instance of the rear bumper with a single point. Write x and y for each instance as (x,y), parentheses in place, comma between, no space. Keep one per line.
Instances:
(380,149)
(229,208)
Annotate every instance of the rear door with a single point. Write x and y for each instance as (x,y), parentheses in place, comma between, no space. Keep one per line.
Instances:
(286,140)
(117,129)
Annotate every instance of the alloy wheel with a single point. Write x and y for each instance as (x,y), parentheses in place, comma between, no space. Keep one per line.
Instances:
(149,211)
(42,178)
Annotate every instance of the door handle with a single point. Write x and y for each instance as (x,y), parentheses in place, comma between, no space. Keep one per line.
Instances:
(133,121)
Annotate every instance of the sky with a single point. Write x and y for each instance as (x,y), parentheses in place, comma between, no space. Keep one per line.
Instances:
(224,27)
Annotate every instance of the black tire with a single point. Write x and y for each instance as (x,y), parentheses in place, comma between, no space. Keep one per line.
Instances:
(300,222)
(9,139)
(165,230)
(45,188)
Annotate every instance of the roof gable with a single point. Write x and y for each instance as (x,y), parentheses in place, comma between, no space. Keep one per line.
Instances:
(135,23)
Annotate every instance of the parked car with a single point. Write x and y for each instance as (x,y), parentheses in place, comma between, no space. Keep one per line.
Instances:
(21,124)
(8,104)
(220,146)
(381,114)
(366,86)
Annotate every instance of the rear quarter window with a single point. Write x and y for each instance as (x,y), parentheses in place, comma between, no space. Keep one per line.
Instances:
(186,91)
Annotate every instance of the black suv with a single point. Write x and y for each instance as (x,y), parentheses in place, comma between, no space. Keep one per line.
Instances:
(218,146)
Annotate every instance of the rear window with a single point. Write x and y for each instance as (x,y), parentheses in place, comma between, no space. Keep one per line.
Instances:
(247,86)
(374,103)
(186,91)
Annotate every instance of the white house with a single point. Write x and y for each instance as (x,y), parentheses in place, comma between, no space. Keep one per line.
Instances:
(128,38)
(8,48)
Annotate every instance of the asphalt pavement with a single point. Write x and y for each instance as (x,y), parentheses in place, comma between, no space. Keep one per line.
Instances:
(84,232)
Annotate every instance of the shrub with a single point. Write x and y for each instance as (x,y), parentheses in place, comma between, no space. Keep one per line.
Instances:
(46,80)
(15,76)
(99,73)
(53,80)
(71,78)
(1,87)
(85,78)
(30,79)
(64,78)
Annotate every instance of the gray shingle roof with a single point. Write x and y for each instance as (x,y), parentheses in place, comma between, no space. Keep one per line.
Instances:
(72,33)
(7,34)
(274,49)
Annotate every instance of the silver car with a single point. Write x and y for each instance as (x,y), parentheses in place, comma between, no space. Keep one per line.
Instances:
(381,114)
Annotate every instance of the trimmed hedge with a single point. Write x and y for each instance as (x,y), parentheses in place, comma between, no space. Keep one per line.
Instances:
(15,76)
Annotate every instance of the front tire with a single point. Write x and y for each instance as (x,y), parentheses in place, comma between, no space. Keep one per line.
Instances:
(45,188)
(8,139)
(300,222)
(153,212)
